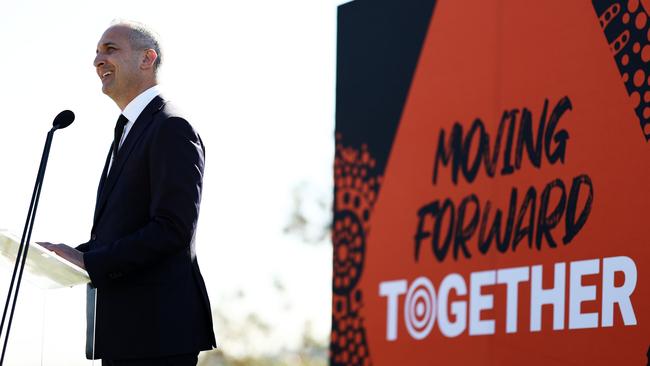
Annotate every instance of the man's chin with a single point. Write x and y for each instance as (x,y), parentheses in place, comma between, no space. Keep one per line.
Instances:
(106,89)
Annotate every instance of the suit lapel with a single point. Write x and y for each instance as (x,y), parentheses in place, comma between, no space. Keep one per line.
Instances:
(129,143)
(102,180)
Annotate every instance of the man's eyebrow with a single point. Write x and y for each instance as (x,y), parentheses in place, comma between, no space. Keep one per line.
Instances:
(106,44)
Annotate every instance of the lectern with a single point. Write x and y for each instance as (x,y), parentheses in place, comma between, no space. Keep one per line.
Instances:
(49,327)
(43,268)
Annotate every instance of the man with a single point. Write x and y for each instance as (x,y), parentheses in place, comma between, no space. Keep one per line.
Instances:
(150,306)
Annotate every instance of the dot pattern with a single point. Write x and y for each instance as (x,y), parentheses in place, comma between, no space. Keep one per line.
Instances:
(627,29)
(348,342)
(356,182)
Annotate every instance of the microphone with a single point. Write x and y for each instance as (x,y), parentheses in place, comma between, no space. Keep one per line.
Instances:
(63,120)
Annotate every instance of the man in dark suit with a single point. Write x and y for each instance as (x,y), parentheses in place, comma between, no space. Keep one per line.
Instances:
(148,303)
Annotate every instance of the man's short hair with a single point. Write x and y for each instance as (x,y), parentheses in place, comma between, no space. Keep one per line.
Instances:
(142,37)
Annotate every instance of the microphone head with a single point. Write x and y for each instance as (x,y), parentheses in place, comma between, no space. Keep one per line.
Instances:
(63,120)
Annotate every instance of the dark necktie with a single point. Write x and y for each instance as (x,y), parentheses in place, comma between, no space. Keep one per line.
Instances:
(119,129)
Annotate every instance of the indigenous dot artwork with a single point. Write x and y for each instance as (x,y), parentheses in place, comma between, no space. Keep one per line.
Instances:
(627,28)
(357,182)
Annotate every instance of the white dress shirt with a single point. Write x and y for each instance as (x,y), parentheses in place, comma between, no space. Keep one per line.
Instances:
(133,110)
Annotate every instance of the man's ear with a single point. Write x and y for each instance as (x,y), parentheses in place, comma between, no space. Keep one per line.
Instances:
(149,58)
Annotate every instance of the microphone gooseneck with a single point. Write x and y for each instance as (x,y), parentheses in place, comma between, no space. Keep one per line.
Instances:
(62,120)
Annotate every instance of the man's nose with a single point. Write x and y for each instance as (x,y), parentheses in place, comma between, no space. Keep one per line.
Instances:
(99,60)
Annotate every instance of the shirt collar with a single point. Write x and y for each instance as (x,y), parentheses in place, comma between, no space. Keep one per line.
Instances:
(136,106)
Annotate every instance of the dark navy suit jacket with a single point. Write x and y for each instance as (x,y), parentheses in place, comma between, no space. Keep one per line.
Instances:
(151,299)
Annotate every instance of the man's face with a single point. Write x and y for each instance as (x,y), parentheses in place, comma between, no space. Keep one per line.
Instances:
(117,64)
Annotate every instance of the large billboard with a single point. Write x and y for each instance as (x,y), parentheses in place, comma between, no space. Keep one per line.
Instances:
(492,183)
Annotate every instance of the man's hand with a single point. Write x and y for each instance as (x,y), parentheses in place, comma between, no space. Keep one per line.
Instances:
(66,252)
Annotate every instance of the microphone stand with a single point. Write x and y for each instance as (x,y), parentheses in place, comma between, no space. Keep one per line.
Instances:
(21,256)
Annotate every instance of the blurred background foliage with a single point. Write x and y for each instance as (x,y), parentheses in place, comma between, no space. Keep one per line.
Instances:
(310,222)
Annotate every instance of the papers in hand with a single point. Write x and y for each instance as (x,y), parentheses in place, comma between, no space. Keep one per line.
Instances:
(43,268)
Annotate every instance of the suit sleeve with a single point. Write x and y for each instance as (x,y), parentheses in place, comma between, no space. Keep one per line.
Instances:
(176,161)
(83,247)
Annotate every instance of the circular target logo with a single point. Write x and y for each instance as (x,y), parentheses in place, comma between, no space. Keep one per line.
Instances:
(420,308)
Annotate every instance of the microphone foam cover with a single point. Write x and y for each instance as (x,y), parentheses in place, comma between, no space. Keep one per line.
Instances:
(63,119)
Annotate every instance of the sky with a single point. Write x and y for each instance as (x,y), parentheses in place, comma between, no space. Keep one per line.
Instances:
(257,80)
